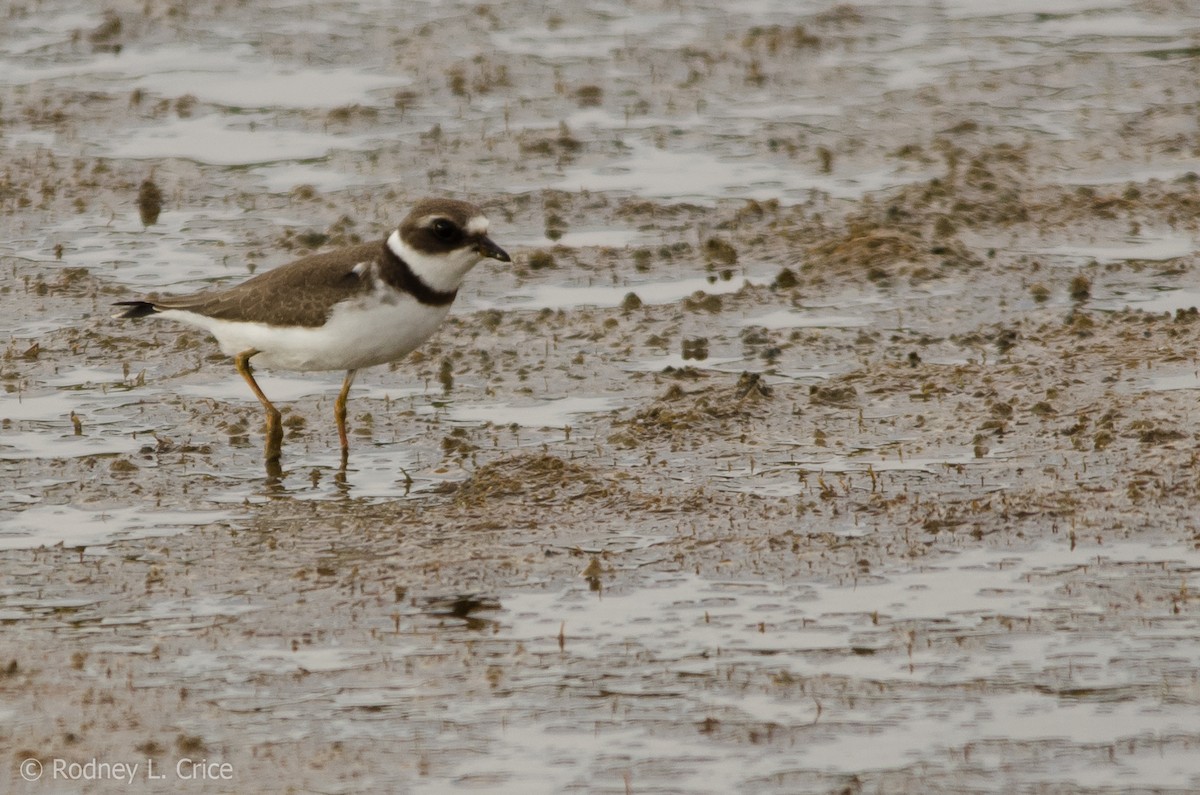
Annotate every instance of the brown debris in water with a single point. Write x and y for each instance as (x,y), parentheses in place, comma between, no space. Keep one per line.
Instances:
(150,202)
(710,408)
(539,478)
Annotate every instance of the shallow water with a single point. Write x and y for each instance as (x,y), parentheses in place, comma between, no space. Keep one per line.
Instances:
(49,525)
(945,541)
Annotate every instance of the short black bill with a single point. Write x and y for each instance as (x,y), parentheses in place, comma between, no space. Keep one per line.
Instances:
(487,248)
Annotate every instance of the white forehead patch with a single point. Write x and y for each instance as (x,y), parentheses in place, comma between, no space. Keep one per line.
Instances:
(397,245)
(478,225)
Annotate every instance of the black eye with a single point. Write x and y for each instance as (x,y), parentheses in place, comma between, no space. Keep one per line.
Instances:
(444,230)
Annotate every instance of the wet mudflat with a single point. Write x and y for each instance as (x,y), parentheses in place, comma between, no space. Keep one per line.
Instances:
(832,431)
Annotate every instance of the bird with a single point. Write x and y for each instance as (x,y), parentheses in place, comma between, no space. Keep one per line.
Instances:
(345,309)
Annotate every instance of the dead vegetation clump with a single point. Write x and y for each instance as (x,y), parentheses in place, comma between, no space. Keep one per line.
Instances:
(882,252)
(874,249)
(712,408)
(537,478)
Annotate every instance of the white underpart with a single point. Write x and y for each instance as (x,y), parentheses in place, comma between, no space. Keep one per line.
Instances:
(442,272)
(381,326)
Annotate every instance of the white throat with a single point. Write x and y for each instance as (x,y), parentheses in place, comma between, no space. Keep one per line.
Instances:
(442,272)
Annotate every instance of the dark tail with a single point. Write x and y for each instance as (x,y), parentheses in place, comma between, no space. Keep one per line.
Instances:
(136,309)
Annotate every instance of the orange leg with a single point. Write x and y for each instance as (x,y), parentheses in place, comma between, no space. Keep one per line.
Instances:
(339,413)
(274,442)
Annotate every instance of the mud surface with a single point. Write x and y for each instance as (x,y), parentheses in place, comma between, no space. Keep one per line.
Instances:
(834,429)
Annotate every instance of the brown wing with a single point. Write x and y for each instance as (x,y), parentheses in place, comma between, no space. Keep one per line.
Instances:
(301,293)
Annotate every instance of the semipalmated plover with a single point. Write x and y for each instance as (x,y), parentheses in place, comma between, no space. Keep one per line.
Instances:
(341,310)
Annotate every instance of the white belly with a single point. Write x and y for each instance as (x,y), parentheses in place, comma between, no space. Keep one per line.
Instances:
(357,334)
